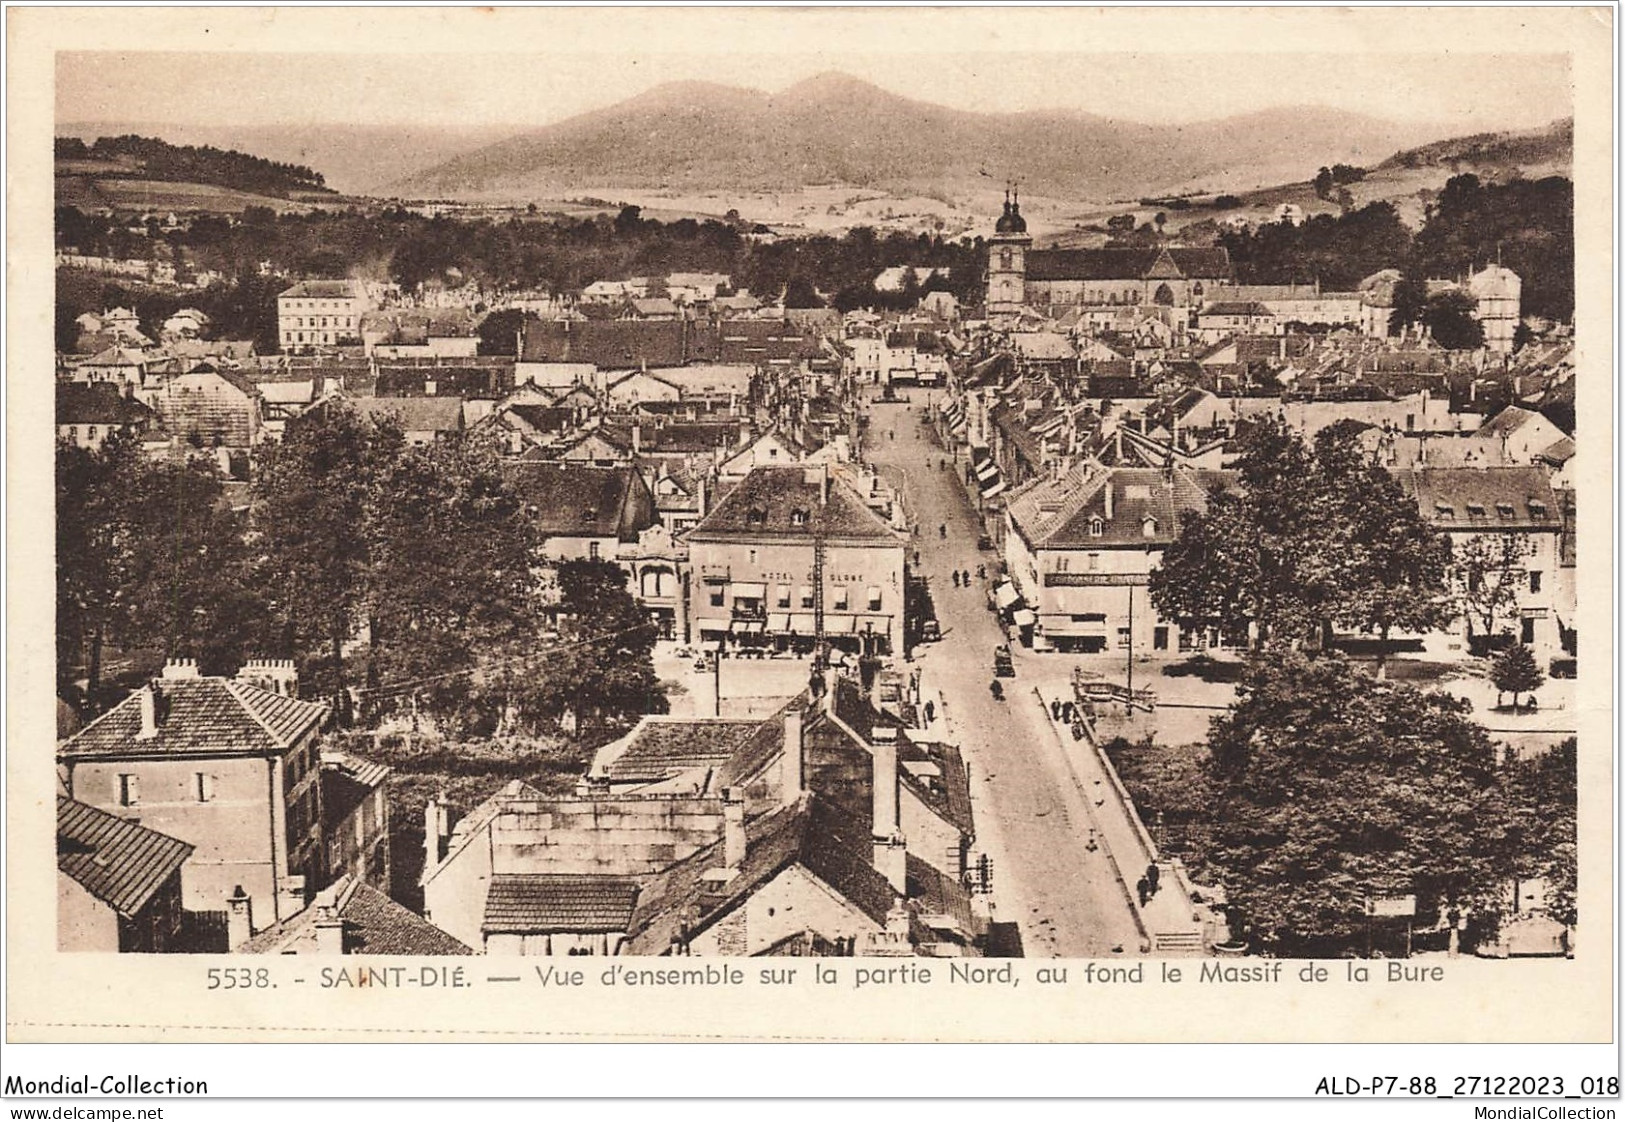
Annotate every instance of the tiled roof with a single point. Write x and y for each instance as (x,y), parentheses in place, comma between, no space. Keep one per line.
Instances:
(578,500)
(781,503)
(1507,421)
(531,903)
(1126,264)
(415,414)
(661,748)
(373,924)
(1061,515)
(120,863)
(830,844)
(201,716)
(97,404)
(346,782)
(320,290)
(1489,499)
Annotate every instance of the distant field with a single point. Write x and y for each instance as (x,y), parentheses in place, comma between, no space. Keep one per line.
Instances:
(154,194)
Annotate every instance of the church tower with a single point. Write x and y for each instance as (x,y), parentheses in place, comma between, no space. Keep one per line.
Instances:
(1007,260)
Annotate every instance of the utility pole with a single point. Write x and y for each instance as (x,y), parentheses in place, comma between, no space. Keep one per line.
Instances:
(820,644)
(1131,650)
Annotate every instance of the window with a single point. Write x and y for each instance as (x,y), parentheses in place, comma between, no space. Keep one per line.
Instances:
(843,599)
(1505,510)
(1149,527)
(1159,639)
(203,786)
(806,597)
(1093,562)
(1537,511)
(874,599)
(1475,510)
(1122,637)
(1096,527)
(753,557)
(1410,422)
(129,790)
(798,517)
(1061,564)
(716,597)
(592,551)
(1444,511)
(1534,580)
(783,594)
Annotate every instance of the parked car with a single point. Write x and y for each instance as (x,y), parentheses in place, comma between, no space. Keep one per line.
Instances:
(1003,665)
(930,631)
(984,542)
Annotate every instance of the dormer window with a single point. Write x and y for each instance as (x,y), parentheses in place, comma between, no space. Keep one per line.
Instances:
(1096,527)
(798,517)
(756,516)
(1505,510)
(1537,510)
(588,514)
(1476,510)
(1444,511)
(1149,527)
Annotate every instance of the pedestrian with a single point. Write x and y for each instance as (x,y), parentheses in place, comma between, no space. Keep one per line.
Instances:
(1144,887)
(965,576)
(1151,876)
(981,572)
(956,578)
(1055,709)
(942,531)
(930,712)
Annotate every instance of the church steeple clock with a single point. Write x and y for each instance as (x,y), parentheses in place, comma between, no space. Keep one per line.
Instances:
(1007,259)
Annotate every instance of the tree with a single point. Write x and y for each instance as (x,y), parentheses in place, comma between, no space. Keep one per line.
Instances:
(499,332)
(1323,182)
(451,586)
(1410,302)
(1389,567)
(604,667)
(1489,570)
(1514,671)
(1333,788)
(1449,318)
(311,528)
(1546,787)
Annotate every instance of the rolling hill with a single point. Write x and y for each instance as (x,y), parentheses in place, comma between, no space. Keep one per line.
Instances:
(834,129)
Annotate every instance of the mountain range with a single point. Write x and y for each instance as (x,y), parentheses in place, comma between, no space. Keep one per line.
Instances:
(834,129)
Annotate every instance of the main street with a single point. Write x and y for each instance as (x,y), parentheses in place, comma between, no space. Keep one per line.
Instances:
(1032,818)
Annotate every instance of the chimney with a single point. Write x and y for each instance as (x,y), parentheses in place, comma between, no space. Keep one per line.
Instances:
(239,925)
(329,931)
(637,439)
(733,827)
(792,774)
(151,698)
(1109,496)
(434,820)
(178,668)
(890,851)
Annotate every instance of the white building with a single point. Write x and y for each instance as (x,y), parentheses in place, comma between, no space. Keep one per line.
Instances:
(319,313)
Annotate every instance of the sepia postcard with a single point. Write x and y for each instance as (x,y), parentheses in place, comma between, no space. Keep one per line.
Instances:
(752,524)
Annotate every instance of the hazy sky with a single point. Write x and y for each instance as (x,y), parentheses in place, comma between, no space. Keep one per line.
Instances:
(1462,90)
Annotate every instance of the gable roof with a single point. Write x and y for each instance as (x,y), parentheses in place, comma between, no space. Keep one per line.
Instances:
(536,903)
(121,863)
(568,499)
(201,716)
(99,403)
(1061,515)
(373,924)
(1127,263)
(1509,421)
(768,501)
(814,833)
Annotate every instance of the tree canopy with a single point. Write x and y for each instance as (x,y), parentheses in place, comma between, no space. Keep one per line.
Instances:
(1332,788)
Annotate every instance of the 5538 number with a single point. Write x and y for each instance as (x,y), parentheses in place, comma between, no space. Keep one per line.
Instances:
(240,978)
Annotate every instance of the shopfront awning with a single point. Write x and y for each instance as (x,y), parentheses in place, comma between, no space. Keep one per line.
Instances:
(803,624)
(712,624)
(1005,595)
(1024,617)
(748,590)
(987,471)
(839,625)
(995,488)
(778,621)
(747,626)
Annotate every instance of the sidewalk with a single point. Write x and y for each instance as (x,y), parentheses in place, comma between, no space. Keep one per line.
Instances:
(1169,917)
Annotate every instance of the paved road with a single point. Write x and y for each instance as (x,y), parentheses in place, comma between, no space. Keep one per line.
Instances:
(1031,817)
